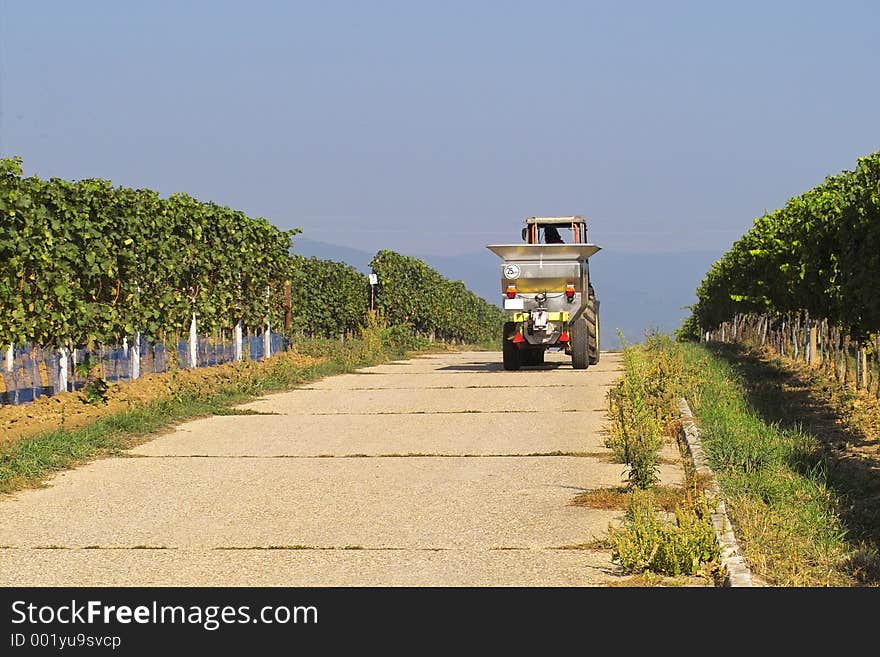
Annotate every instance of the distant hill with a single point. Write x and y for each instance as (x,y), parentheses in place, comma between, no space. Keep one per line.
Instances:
(640,291)
(637,291)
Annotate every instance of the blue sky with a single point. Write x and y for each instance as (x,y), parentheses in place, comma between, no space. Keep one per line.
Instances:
(436,127)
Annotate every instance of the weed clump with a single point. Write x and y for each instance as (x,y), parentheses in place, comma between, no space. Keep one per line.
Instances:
(641,406)
(648,542)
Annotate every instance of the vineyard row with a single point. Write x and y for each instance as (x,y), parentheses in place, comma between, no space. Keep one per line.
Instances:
(85,266)
(805,278)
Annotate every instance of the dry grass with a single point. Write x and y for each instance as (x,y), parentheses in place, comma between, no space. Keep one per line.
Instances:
(616,498)
(602,498)
(596,545)
(651,580)
(69,411)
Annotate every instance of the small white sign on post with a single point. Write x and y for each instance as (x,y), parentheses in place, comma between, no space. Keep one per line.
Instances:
(374,281)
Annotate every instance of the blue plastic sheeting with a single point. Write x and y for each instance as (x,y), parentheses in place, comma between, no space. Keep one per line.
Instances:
(35,370)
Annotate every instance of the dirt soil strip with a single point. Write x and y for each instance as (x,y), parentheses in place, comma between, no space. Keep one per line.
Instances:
(466,478)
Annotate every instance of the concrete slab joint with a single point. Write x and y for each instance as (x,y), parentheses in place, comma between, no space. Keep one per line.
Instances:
(736,571)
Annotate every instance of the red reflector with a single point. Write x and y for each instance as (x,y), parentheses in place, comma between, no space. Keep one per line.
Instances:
(569,292)
(511,291)
(564,337)
(518,337)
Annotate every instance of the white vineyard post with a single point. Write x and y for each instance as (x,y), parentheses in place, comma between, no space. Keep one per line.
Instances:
(237,333)
(267,336)
(135,360)
(62,369)
(238,349)
(10,358)
(193,344)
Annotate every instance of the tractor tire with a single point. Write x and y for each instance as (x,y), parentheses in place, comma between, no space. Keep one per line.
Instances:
(580,344)
(511,352)
(594,338)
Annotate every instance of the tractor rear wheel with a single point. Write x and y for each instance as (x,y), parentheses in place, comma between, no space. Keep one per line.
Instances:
(579,335)
(594,335)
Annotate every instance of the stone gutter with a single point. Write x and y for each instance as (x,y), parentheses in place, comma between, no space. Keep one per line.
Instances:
(736,571)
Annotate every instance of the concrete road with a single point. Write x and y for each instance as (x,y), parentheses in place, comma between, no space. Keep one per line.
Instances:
(440,470)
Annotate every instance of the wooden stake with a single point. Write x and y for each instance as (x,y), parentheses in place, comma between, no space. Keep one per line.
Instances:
(814,334)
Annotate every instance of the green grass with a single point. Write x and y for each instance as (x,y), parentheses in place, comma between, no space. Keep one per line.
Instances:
(643,416)
(785,451)
(28,462)
(790,504)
